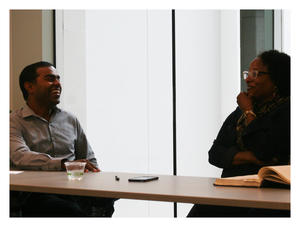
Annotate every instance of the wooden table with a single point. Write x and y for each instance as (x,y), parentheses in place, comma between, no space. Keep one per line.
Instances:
(168,188)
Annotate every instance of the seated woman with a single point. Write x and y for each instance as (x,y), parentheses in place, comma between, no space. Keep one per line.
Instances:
(257,133)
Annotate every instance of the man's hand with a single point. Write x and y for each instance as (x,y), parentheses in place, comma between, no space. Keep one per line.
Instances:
(89,166)
(244,101)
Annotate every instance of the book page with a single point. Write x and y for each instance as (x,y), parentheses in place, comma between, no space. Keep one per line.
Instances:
(247,180)
(279,174)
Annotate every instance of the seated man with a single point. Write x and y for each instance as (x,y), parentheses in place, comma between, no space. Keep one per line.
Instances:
(44,137)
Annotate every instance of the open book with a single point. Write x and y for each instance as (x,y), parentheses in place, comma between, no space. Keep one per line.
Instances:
(276,174)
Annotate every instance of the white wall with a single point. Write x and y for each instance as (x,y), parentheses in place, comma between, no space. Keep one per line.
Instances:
(286,31)
(71,61)
(230,61)
(282,30)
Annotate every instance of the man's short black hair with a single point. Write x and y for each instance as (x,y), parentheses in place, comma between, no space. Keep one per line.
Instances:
(29,74)
(279,67)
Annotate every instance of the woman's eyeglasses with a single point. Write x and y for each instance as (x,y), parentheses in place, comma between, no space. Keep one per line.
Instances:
(254,74)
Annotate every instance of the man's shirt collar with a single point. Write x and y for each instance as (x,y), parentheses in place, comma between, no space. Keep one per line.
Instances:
(27,111)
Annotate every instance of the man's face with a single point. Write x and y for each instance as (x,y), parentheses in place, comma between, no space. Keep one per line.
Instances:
(46,89)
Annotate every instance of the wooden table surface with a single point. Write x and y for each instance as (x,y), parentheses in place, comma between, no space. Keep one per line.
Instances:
(169,188)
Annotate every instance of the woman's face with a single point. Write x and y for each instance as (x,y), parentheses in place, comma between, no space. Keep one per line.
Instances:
(260,88)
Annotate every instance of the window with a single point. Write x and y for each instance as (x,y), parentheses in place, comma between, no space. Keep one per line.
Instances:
(257,35)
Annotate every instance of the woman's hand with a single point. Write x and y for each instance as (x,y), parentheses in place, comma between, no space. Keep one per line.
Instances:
(245,157)
(244,101)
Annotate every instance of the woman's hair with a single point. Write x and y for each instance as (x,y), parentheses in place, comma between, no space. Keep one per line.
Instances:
(279,67)
(29,74)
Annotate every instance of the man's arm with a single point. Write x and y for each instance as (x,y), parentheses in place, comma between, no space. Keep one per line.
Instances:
(22,157)
(84,151)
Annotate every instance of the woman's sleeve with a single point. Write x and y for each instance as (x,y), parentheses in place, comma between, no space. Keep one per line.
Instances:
(224,146)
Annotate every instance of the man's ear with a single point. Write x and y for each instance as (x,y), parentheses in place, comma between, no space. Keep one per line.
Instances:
(29,87)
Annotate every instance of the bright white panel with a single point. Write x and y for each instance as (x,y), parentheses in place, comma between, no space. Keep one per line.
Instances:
(198,88)
(230,61)
(128,96)
(131,208)
(282,30)
(117,89)
(70,51)
(160,91)
(286,31)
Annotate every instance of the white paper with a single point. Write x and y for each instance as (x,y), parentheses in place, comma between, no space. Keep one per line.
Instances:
(15,172)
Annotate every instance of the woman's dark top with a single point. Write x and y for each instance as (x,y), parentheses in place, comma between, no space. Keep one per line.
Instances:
(267,136)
